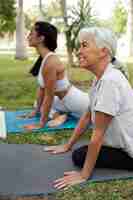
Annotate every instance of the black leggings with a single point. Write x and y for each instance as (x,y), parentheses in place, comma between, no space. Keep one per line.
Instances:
(108,158)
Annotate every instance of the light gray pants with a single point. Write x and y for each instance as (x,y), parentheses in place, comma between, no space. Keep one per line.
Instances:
(76,102)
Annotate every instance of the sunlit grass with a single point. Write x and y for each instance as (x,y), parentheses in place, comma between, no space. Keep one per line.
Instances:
(18,90)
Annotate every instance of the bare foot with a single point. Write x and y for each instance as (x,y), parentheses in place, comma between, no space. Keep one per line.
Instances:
(57,121)
(56,115)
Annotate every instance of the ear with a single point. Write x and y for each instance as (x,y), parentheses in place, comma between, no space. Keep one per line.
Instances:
(41,38)
(104,51)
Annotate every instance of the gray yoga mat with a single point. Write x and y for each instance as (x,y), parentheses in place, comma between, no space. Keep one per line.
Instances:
(25,169)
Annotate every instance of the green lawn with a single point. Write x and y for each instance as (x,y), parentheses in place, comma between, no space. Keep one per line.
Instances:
(17,90)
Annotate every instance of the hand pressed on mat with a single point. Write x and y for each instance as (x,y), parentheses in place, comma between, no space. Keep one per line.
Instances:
(69,179)
(31,127)
(27,115)
(57,149)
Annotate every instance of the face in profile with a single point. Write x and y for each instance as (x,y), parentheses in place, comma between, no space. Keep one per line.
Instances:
(89,53)
(33,38)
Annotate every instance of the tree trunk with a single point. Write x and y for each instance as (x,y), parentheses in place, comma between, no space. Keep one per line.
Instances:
(41,16)
(130,28)
(70,57)
(69,50)
(21,52)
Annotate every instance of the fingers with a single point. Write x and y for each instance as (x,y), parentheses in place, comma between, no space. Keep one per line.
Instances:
(27,115)
(29,126)
(22,116)
(64,183)
(52,148)
(70,178)
(60,183)
(69,173)
(32,126)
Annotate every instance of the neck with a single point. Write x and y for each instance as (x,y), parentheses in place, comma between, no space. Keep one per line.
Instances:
(99,69)
(43,51)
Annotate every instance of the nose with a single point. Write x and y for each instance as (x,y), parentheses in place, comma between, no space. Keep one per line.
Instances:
(79,50)
(28,35)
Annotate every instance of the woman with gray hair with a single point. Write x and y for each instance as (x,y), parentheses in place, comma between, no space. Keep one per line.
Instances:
(110,111)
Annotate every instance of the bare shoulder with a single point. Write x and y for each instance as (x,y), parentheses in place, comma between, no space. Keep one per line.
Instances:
(54,62)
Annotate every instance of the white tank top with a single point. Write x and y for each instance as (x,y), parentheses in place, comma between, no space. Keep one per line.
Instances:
(61,85)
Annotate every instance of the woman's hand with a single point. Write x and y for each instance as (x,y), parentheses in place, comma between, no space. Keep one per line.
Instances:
(28,115)
(32,114)
(69,179)
(57,149)
(31,127)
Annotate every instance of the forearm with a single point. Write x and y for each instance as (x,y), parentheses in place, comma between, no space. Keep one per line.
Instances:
(45,109)
(102,122)
(91,157)
(40,97)
(80,129)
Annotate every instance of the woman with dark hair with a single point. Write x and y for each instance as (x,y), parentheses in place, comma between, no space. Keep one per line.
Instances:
(36,67)
(56,96)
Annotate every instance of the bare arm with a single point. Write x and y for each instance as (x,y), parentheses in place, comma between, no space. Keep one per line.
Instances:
(79,130)
(101,123)
(40,97)
(49,75)
(70,178)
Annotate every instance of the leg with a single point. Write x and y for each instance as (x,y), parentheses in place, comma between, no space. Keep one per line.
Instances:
(114,158)
(78,156)
(76,102)
(58,113)
(108,158)
(58,120)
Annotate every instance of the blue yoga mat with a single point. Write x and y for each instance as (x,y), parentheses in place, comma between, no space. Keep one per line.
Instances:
(16,125)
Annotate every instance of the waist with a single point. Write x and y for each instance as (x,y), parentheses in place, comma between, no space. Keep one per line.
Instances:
(63,93)
(61,85)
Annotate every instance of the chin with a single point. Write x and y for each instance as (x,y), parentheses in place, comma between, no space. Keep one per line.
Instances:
(83,66)
(30,45)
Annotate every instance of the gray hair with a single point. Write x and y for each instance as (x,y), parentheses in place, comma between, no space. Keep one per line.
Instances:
(103,37)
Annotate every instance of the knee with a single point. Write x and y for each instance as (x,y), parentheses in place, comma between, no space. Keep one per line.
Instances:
(79,155)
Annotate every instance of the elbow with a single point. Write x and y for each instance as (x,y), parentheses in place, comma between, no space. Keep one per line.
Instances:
(49,99)
(97,142)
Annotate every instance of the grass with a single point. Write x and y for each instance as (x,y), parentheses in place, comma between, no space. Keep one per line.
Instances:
(17,89)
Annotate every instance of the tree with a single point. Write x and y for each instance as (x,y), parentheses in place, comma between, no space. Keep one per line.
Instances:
(21,52)
(7,17)
(42,13)
(130,28)
(77,18)
(119,18)
(48,13)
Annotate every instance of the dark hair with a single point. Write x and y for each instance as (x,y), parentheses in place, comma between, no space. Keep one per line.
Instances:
(35,69)
(123,68)
(50,32)
(113,60)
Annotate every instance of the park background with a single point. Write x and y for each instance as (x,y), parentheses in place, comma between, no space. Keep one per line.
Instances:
(17,86)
